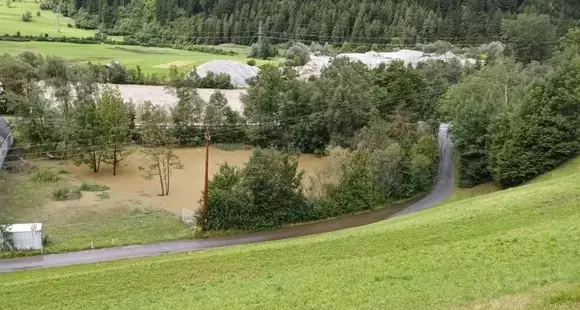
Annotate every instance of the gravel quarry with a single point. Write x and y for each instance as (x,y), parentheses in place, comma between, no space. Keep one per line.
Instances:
(374,59)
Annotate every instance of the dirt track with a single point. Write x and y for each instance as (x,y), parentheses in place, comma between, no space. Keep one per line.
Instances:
(441,191)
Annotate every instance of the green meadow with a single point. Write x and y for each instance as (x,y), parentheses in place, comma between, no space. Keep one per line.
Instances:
(11,21)
(150,59)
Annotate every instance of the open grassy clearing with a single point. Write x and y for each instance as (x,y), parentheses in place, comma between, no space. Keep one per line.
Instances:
(150,59)
(514,249)
(122,209)
(11,21)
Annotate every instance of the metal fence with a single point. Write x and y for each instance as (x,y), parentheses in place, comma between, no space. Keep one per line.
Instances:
(6,140)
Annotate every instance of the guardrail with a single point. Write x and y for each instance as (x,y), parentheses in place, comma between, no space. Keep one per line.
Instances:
(6,140)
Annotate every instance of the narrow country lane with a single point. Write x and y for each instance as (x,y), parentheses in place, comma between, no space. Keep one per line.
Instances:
(441,191)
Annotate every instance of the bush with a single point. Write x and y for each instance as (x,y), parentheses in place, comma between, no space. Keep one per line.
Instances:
(263,49)
(251,62)
(88,187)
(64,194)
(118,73)
(45,176)
(266,193)
(38,13)
(27,17)
(299,54)
(69,25)
(46,5)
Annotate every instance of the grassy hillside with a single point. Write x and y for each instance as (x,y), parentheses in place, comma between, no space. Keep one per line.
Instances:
(514,249)
(11,21)
(151,59)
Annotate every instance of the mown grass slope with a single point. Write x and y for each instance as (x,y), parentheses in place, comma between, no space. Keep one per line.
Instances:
(514,249)
(11,21)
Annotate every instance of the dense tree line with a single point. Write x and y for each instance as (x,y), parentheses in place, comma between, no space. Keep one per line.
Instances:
(376,127)
(15,71)
(335,21)
(525,123)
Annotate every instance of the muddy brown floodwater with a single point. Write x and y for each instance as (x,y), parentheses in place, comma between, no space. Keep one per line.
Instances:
(186,187)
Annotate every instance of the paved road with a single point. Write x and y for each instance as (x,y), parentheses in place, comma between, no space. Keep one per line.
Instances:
(442,190)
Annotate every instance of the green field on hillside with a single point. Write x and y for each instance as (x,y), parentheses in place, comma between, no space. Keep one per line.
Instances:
(150,59)
(514,249)
(11,21)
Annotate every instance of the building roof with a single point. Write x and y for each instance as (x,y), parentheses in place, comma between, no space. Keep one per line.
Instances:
(24,227)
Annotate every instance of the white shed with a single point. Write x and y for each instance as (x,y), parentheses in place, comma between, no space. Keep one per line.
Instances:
(26,236)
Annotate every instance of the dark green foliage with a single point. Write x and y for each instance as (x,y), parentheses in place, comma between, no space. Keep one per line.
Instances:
(27,17)
(298,54)
(118,73)
(6,241)
(266,193)
(472,112)
(529,37)
(263,49)
(399,88)
(64,194)
(383,168)
(401,23)
(251,62)
(542,132)
(213,80)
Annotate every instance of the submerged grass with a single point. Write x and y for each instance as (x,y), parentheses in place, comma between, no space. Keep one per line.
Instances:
(514,249)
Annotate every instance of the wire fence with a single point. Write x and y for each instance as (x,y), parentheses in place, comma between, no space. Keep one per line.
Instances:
(6,140)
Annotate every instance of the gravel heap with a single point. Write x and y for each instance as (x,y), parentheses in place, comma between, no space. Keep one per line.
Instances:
(374,59)
(238,71)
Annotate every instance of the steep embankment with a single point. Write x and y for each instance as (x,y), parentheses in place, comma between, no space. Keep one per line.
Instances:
(514,249)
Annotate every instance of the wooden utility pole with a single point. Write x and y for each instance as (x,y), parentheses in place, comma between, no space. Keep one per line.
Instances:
(205,192)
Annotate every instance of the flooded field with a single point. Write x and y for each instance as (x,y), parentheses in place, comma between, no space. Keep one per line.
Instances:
(186,184)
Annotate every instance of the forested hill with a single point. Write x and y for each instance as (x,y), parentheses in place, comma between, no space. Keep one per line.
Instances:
(333,21)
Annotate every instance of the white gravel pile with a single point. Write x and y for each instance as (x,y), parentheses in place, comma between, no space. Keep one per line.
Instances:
(239,72)
(373,59)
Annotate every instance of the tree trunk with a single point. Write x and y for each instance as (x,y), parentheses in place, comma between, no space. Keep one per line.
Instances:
(160,176)
(115,160)
(167,175)
(94,157)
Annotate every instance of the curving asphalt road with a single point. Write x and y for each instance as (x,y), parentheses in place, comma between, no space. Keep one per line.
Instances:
(441,191)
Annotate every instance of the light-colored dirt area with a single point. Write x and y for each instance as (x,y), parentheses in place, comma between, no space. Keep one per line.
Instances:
(177,63)
(129,187)
(160,95)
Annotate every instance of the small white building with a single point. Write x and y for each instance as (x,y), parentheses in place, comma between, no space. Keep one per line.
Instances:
(26,236)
